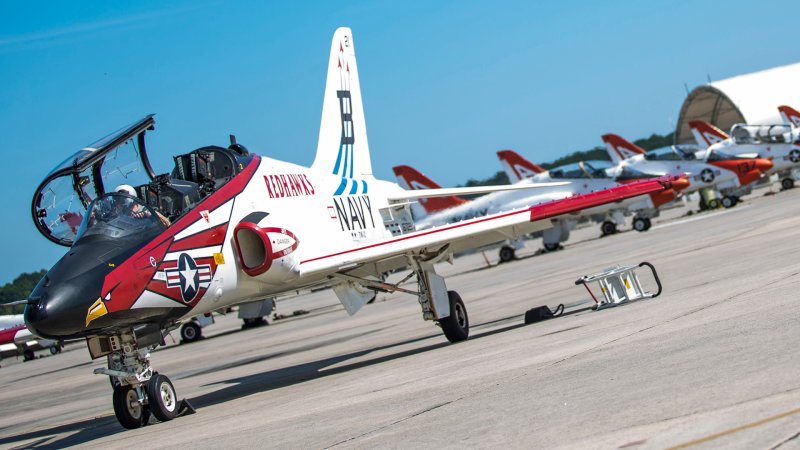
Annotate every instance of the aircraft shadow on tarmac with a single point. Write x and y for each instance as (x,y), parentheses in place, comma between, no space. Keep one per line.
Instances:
(88,430)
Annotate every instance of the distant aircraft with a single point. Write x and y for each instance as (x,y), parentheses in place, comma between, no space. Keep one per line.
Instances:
(587,178)
(730,175)
(790,115)
(239,227)
(15,339)
(451,209)
(780,143)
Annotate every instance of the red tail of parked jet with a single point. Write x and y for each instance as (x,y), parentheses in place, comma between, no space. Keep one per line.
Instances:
(411,179)
(790,115)
(706,134)
(516,166)
(619,148)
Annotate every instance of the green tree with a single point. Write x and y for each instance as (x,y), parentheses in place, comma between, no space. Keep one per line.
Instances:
(19,289)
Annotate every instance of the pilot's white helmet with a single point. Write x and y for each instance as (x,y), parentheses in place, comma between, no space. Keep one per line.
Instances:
(126,189)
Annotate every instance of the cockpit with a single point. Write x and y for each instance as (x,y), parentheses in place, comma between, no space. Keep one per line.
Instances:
(719,155)
(673,153)
(627,174)
(581,170)
(76,195)
(761,134)
(116,215)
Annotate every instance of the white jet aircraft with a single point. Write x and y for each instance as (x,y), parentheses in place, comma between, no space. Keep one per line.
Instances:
(779,143)
(587,178)
(238,227)
(440,211)
(730,175)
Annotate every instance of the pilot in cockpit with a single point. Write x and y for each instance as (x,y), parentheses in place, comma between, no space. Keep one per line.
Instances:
(137,210)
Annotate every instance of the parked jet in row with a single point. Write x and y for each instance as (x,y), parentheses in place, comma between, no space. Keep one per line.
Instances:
(732,176)
(780,143)
(445,210)
(586,178)
(16,339)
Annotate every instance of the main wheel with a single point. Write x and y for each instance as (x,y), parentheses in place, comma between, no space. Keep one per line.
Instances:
(728,201)
(787,183)
(162,400)
(456,325)
(552,247)
(608,227)
(507,253)
(130,412)
(55,349)
(640,224)
(713,204)
(191,331)
(28,355)
(649,224)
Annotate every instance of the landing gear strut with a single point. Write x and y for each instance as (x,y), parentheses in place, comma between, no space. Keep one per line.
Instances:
(138,390)
(438,304)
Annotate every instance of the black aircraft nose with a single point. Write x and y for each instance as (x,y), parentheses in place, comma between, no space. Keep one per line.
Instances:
(59,311)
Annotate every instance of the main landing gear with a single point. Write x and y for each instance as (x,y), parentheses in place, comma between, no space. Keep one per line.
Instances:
(139,391)
(444,307)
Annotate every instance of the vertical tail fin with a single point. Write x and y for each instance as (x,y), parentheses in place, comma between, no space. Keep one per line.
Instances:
(411,179)
(706,134)
(619,148)
(517,167)
(790,115)
(343,149)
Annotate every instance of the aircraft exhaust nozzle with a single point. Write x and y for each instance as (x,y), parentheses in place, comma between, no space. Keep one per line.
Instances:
(266,252)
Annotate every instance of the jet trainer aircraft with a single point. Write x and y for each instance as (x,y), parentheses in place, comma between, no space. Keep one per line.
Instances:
(730,175)
(451,209)
(780,143)
(238,227)
(587,178)
(16,339)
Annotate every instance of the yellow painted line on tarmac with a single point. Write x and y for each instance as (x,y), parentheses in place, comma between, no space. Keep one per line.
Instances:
(736,429)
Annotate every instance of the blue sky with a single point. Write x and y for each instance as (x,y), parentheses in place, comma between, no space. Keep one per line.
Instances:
(445,83)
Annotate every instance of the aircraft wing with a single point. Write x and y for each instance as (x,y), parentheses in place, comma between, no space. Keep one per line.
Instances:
(474,232)
(444,192)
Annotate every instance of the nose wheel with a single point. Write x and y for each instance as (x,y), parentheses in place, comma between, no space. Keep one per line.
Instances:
(139,391)
(129,408)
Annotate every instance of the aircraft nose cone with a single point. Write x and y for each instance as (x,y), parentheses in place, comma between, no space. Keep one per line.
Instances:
(56,313)
(764,165)
(680,183)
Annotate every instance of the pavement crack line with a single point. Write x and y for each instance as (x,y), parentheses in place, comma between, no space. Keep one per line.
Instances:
(785,441)
(383,427)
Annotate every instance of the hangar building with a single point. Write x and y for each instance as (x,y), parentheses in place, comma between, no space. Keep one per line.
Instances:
(751,98)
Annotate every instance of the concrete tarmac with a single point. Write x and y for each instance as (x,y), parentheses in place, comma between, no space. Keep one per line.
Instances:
(712,363)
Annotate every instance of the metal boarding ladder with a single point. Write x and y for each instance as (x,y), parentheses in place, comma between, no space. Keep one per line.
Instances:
(619,284)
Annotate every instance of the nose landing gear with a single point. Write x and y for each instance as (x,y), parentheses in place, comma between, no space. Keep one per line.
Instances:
(139,391)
